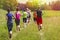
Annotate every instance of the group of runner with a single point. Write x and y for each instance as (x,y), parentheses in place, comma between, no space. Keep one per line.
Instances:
(26,14)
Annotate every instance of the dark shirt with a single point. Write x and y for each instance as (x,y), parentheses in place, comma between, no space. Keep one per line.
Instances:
(39,13)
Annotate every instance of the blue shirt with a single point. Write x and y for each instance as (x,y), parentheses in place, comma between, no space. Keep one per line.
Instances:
(9,16)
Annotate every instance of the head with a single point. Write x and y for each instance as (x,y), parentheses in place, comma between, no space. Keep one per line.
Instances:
(8,10)
(17,9)
(39,8)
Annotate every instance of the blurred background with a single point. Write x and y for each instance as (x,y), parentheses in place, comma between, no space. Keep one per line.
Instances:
(32,4)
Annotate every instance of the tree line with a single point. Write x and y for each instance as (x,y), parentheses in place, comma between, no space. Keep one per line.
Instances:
(4,4)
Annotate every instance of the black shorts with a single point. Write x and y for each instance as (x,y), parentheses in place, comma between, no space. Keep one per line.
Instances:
(24,20)
(17,22)
(9,25)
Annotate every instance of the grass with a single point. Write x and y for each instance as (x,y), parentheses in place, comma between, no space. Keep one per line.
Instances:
(51,27)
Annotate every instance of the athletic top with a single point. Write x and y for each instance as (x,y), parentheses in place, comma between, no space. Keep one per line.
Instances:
(35,15)
(9,16)
(17,15)
(39,13)
(24,14)
(28,13)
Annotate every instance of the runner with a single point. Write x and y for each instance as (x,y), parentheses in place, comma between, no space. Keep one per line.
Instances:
(25,18)
(39,19)
(17,19)
(9,16)
(29,14)
(35,16)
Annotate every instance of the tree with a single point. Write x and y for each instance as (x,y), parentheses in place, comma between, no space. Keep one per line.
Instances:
(21,6)
(8,4)
(46,7)
(56,5)
(33,4)
(1,3)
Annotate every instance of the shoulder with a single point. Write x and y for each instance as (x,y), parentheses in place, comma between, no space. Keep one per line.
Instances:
(18,12)
(11,13)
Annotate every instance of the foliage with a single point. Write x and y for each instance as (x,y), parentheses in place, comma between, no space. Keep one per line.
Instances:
(4,4)
(56,5)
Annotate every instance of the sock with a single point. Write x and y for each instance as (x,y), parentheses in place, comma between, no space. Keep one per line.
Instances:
(10,34)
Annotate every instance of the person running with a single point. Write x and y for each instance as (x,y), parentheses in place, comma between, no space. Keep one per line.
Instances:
(39,19)
(25,18)
(17,19)
(29,14)
(9,16)
(34,15)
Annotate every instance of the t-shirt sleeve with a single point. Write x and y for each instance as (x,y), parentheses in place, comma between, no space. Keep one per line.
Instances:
(12,14)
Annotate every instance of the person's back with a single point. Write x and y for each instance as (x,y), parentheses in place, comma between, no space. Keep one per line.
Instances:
(25,18)
(24,14)
(39,13)
(17,15)
(28,14)
(9,16)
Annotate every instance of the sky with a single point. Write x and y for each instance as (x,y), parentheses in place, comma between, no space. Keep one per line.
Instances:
(42,1)
(22,1)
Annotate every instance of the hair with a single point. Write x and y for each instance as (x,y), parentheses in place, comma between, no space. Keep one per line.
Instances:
(8,10)
(17,9)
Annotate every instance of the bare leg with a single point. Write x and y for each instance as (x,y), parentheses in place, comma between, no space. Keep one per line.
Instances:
(39,27)
(18,27)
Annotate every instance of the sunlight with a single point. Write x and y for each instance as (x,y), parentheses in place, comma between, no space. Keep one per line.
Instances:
(47,1)
(40,1)
(22,1)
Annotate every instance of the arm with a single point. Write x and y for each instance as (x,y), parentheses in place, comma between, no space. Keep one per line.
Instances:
(13,16)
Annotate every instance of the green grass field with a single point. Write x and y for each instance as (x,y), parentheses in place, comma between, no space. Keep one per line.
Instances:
(51,28)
